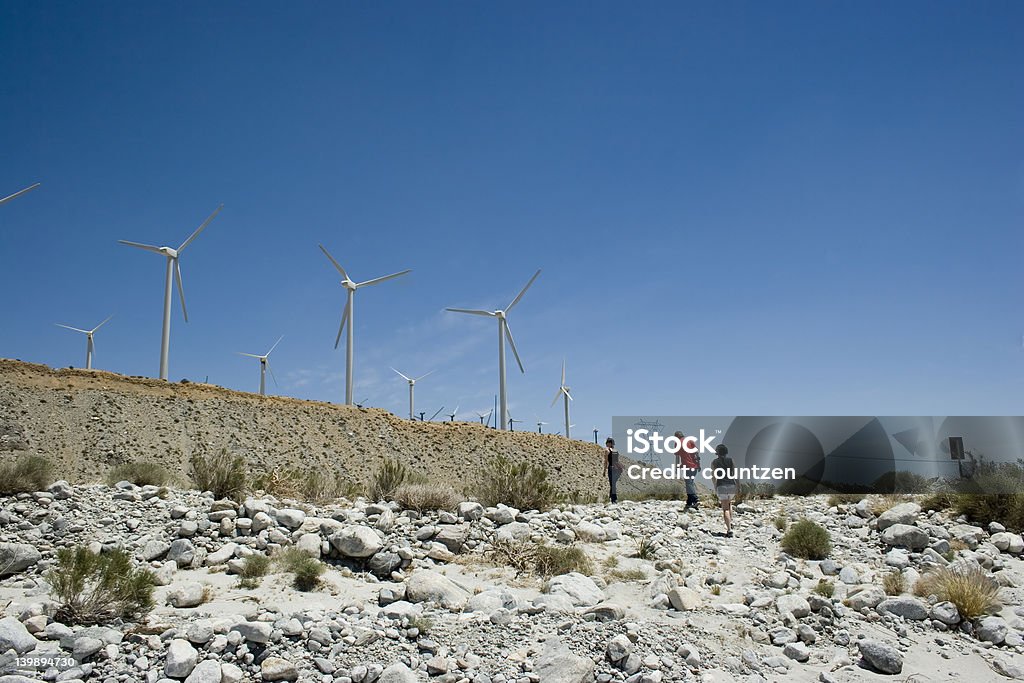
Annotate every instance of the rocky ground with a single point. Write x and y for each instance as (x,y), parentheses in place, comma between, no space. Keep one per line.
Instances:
(410,597)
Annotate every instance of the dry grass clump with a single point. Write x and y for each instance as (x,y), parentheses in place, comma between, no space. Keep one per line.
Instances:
(540,559)
(825,588)
(894,583)
(625,575)
(645,547)
(388,477)
(967,587)
(140,473)
(520,485)
(98,589)
(807,540)
(222,473)
(884,503)
(308,485)
(837,499)
(25,474)
(424,497)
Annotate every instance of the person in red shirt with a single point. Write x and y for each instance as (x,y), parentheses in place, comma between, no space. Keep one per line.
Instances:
(690,462)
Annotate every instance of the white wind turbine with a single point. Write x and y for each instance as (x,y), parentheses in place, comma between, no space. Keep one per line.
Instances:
(19,193)
(486,416)
(564,393)
(264,366)
(503,334)
(348,315)
(412,388)
(89,346)
(173,272)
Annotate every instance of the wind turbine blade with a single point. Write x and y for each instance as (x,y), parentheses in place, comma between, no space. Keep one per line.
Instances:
(181,288)
(558,395)
(489,314)
(250,355)
(422,376)
(336,264)
(377,280)
(520,295)
(512,343)
(436,414)
(19,193)
(199,229)
(102,323)
(271,370)
(275,345)
(568,395)
(138,245)
(407,379)
(344,317)
(563,372)
(68,327)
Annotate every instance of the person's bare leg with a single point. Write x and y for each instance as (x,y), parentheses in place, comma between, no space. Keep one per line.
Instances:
(727,514)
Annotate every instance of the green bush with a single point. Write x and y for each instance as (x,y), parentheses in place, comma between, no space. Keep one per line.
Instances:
(388,477)
(425,497)
(645,548)
(25,474)
(307,570)
(98,589)
(254,568)
(222,473)
(825,588)
(519,485)
(807,540)
(140,473)
(995,493)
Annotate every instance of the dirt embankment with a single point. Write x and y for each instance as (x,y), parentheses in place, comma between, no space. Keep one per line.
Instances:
(88,421)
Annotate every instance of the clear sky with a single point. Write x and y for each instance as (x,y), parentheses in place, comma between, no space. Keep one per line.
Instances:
(739,208)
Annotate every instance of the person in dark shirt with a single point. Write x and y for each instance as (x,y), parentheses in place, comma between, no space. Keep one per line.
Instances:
(725,487)
(613,467)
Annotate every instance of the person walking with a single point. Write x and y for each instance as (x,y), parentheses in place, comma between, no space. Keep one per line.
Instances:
(725,486)
(613,467)
(690,464)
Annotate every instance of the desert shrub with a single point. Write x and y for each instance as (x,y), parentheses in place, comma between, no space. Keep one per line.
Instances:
(966,586)
(140,473)
(943,500)
(901,482)
(388,477)
(749,490)
(97,589)
(312,485)
(520,485)
(625,575)
(307,570)
(880,504)
(837,499)
(540,559)
(222,473)
(982,508)
(893,583)
(645,547)
(780,522)
(424,497)
(807,540)
(25,474)
(646,489)
(254,568)
(825,588)
(421,623)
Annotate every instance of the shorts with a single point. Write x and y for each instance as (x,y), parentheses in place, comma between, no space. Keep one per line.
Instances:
(725,492)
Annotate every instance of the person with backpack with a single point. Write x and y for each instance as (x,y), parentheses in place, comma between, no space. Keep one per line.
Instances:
(725,486)
(690,463)
(613,467)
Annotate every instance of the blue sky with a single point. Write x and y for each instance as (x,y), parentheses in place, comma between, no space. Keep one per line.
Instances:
(739,208)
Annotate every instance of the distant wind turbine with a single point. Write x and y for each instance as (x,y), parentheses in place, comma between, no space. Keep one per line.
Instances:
(19,193)
(88,339)
(566,396)
(485,418)
(454,413)
(540,426)
(173,272)
(348,315)
(264,366)
(412,388)
(503,333)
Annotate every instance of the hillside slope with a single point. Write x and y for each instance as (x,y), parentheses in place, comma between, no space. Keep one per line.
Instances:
(87,421)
